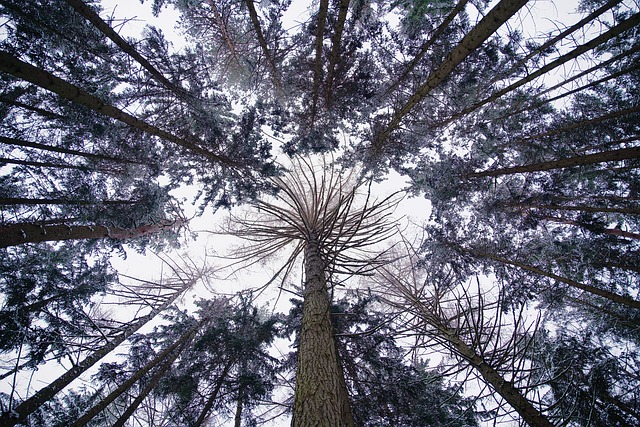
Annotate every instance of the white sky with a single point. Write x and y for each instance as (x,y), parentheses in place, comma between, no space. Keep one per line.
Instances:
(416,210)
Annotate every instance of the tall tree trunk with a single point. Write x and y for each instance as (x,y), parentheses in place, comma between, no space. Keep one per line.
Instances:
(214,394)
(335,50)
(175,348)
(83,9)
(634,210)
(18,234)
(498,382)
(587,159)
(317,68)
(481,32)
(552,41)
(160,372)
(620,299)
(602,38)
(593,228)
(20,413)
(17,68)
(253,14)
(45,147)
(7,201)
(427,45)
(321,397)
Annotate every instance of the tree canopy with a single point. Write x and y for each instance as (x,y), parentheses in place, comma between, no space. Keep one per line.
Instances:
(514,298)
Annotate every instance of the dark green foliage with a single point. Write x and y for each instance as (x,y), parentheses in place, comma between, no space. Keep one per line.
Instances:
(47,295)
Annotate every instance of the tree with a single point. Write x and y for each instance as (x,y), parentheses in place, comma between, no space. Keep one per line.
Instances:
(523,139)
(316,211)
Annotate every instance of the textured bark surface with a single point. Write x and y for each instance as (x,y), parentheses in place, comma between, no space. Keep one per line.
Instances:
(18,234)
(17,68)
(474,39)
(26,408)
(321,397)
(567,162)
(504,388)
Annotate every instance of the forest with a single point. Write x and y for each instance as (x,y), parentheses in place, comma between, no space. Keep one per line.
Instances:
(298,130)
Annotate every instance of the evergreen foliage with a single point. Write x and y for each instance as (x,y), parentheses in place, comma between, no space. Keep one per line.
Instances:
(522,282)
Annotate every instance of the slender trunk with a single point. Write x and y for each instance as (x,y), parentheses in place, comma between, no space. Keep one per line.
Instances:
(317,68)
(90,15)
(576,125)
(635,210)
(56,165)
(173,348)
(160,372)
(427,45)
(481,32)
(18,234)
(504,388)
(620,299)
(577,26)
(593,228)
(237,422)
(6,201)
(335,50)
(602,38)
(599,66)
(44,147)
(321,397)
(41,111)
(17,68)
(20,413)
(253,14)
(223,29)
(634,268)
(587,159)
(214,395)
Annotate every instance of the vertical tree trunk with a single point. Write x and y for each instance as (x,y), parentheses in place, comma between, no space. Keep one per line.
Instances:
(497,16)
(321,397)
(212,398)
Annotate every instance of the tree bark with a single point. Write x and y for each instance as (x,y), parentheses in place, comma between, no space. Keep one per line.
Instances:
(587,159)
(481,32)
(90,15)
(30,405)
(427,45)
(578,25)
(620,299)
(17,68)
(504,388)
(160,372)
(18,234)
(321,397)
(593,228)
(45,147)
(6,201)
(212,397)
(176,348)
(602,38)
(335,50)
(581,208)
(253,14)
(317,68)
